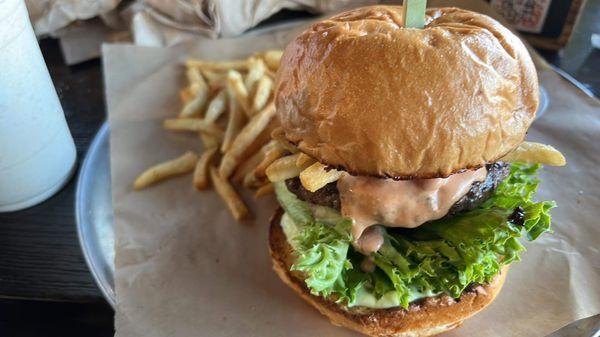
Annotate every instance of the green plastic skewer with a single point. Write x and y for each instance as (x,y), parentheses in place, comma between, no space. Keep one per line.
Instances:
(414,13)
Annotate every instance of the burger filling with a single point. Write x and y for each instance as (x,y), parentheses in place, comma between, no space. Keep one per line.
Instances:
(382,243)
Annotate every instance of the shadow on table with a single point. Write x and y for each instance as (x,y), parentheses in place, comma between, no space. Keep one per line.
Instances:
(21,318)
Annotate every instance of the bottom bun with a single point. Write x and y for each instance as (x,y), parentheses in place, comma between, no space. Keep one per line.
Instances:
(425,317)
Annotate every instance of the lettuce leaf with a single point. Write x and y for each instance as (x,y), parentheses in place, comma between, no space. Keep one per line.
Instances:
(297,209)
(445,255)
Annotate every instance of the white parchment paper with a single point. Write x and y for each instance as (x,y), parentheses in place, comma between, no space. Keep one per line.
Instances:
(184,267)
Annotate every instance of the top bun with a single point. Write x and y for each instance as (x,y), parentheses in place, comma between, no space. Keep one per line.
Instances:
(360,93)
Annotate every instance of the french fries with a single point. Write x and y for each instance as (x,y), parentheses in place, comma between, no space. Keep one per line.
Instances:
(193,124)
(263,92)
(535,153)
(256,71)
(215,79)
(200,179)
(186,95)
(275,152)
(236,88)
(162,171)
(284,168)
(248,166)
(200,91)
(216,107)
(251,181)
(227,192)
(272,58)
(316,176)
(234,124)
(264,190)
(194,76)
(304,160)
(228,104)
(208,141)
(256,125)
(217,65)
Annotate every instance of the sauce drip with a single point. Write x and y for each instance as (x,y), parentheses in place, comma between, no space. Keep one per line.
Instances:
(406,203)
(370,240)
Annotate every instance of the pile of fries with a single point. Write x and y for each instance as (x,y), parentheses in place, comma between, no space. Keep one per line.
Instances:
(229,104)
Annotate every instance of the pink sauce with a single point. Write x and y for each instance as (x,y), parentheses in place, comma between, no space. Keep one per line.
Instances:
(370,240)
(405,203)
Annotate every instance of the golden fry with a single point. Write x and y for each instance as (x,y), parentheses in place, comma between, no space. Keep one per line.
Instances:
(235,123)
(186,95)
(283,168)
(248,166)
(535,153)
(194,107)
(271,74)
(275,152)
(193,124)
(218,65)
(304,160)
(234,202)
(263,92)
(208,141)
(256,71)
(243,89)
(245,139)
(162,171)
(264,190)
(215,79)
(216,107)
(194,76)
(201,179)
(237,89)
(251,181)
(272,58)
(316,176)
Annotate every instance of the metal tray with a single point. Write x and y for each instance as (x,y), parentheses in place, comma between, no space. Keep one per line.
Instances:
(94,214)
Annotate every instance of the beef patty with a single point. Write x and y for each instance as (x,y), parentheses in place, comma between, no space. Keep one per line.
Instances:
(479,192)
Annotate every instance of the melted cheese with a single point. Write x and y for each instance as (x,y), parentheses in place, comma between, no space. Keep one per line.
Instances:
(406,203)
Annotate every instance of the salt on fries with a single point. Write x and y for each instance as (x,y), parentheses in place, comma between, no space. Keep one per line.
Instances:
(229,105)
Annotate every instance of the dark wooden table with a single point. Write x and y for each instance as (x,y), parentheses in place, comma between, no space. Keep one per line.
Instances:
(45,286)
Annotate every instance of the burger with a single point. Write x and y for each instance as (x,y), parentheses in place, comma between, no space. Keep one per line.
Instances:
(407,183)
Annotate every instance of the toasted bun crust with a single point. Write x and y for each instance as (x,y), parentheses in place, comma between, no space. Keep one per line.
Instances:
(426,317)
(360,93)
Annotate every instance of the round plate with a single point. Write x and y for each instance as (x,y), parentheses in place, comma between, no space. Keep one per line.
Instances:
(94,214)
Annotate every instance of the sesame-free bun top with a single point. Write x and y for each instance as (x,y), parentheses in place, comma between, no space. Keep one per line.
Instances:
(360,93)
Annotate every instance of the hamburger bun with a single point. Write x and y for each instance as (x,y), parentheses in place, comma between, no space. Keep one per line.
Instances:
(425,317)
(360,93)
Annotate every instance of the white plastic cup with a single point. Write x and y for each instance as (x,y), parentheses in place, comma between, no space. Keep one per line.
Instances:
(37,154)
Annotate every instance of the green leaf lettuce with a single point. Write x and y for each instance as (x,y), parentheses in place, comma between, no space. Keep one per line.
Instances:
(442,256)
